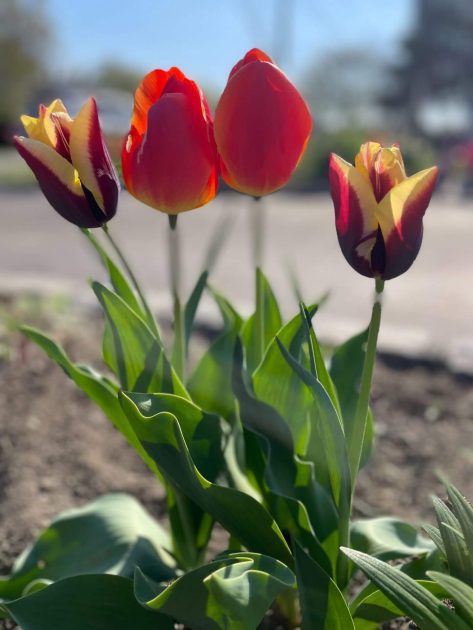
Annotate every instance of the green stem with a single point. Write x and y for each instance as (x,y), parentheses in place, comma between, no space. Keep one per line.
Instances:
(257,223)
(178,351)
(150,317)
(361,412)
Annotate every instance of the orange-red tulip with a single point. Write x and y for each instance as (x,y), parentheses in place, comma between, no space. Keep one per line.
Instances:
(71,163)
(379,210)
(262,125)
(169,158)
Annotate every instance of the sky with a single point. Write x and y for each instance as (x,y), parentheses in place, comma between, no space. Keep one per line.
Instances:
(205,38)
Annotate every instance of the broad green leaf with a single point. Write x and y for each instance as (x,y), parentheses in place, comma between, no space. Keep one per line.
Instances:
(346,369)
(461,593)
(210,385)
(133,342)
(231,592)
(376,608)
(276,383)
(112,534)
(245,518)
(323,605)
(434,534)
(98,388)
(409,596)
(388,538)
(260,329)
(92,602)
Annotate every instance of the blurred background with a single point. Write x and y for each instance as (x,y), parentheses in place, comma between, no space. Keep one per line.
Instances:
(393,71)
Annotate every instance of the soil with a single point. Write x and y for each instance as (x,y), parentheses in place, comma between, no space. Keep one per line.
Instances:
(58,451)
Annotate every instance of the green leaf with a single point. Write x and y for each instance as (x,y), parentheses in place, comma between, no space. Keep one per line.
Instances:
(346,369)
(133,342)
(323,605)
(388,538)
(231,592)
(245,518)
(112,534)
(461,593)
(95,602)
(464,513)
(276,383)
(409,596)
(192,304)
(259,330)
(210,385)
(98,388)
(376,608)
(454,543)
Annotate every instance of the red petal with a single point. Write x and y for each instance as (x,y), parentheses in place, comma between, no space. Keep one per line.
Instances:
(255,54)
(262,125)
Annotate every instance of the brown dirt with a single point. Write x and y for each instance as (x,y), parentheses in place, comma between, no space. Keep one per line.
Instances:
(58,451)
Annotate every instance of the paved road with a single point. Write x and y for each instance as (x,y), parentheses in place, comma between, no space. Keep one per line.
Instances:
(429,310)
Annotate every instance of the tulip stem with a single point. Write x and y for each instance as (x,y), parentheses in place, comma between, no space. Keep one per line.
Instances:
(149,314)
(257,230)
(179,346)
(361,413)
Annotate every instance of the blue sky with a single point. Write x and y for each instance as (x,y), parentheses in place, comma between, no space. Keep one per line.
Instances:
(206,37)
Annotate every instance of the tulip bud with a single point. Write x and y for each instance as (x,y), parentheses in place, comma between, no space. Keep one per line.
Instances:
(71,163)
(379,210)
(262,126)
(169,159)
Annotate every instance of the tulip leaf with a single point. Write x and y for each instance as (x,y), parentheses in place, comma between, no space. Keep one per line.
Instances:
(276,383)
(259,330)
(346,369)
(464,514)
(133,342)
(192,304)
(244,517)
(376,608)
(323,605)
(112,534)
(456,551)
(95,602)
(233,591)
(461,593)
(407,594)
(210,385)
(97,387)
(388,538)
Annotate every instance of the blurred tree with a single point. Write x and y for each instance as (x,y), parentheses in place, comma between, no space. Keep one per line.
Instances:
(118,77)
(434,74)
(24,39)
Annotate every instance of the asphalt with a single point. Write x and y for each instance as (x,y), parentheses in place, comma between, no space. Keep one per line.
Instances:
(428,312)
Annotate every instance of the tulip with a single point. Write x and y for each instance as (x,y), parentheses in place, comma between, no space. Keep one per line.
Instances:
(169,159)
(379,210)
(71,163)
(262,126)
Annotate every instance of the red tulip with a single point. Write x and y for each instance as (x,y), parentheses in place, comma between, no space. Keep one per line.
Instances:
(71,163)
(262,126)
(379,210)
(169,158)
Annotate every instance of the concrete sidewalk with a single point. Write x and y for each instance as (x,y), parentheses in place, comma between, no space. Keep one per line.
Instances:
(428,311)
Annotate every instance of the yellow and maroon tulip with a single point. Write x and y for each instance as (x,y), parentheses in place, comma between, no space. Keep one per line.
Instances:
(379,210)
(71,163)
(262,126)
(169,158)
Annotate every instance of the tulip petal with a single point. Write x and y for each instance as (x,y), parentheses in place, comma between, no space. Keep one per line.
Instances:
(45,128)
(58,180)
(90,157)
(355,213)
(262,126)
(148,92)
(400,216)
(255,54)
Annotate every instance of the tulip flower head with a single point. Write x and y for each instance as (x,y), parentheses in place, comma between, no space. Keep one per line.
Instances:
(71,163)
(169,159)
(262,126)
(379,210)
